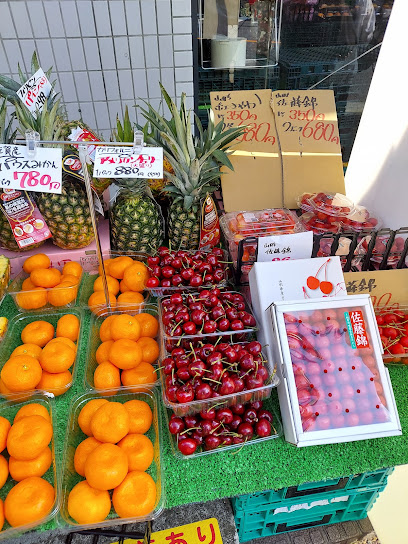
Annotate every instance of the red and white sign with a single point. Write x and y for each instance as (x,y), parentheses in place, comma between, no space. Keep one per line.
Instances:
(41,173)
(120,162)
(359,329)
(35,91)
(26,222)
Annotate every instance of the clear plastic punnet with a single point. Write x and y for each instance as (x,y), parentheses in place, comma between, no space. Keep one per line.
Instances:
(51,298)
(8,410)
(361,219)
(393,328)
(237,226)
(311,221)
(337,385)
(12,340)
(232,430)
(323,204)
(74,436)
(94,340)
(210,375)
(186,319)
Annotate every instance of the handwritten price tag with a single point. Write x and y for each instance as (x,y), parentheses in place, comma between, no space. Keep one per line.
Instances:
(35,91)
(254,153)
(43,173)
(119,162)
(285,247)
(250,109)
(306,124)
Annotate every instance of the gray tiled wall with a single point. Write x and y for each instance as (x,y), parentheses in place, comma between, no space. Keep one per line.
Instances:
(106,53)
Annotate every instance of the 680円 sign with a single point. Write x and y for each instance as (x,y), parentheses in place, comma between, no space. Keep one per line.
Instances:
(42,173)
(120,162)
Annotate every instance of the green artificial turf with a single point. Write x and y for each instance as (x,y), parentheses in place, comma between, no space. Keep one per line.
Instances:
(270,465)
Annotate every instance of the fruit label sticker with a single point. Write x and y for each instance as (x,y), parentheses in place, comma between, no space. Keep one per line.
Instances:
(26,222)
(120,162)
(210,225)
(206,531)
(41,173)
(82,135)
(35,91)
(285,247)
(356,329)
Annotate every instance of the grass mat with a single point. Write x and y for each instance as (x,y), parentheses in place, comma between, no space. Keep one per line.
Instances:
(270,465)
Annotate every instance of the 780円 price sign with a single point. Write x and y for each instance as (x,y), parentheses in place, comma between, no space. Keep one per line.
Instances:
(42,173)
(121,162)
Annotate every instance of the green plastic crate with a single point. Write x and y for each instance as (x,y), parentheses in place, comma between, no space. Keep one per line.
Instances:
(252,502)
(305,512)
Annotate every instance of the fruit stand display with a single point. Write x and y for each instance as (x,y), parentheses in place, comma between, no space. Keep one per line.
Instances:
(153,359)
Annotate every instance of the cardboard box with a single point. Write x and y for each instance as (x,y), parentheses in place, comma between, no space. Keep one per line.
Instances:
(87,256)
(334,385)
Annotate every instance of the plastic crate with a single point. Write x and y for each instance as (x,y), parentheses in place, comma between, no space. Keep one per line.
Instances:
(366,480)
(219,80)
(320,60)
(313,33)
(302,513)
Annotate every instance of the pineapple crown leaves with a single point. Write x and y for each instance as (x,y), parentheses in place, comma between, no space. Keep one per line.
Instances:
(48,123)
(125,132)
(7,136)
(195,160)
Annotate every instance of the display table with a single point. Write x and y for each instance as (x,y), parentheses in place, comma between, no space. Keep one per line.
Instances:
(269,465)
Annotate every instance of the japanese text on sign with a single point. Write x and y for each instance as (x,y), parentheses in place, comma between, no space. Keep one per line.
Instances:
(120,162)
(236,111)
(43,173)
(357,330)
(285,247)
(202,532)
(35,91)
(299,114)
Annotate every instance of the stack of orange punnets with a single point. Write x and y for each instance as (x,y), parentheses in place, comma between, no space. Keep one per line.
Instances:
(124,276)
(42,361)
(115,456)
(48,285)
(127,351)
(27,440)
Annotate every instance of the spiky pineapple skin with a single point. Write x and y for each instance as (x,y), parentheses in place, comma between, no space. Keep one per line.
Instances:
(7,240)
(136,223)
(67,215)
(184,227)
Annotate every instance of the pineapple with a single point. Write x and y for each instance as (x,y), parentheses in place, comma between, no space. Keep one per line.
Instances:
(196,163)
(136,220)
(99,184)
(7,240)
(67,215)
(3,326)
(4,276)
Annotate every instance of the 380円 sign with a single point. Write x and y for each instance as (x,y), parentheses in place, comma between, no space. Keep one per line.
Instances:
(120,162)
(42,173)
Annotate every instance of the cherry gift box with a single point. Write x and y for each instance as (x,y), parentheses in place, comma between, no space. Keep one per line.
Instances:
(334,385)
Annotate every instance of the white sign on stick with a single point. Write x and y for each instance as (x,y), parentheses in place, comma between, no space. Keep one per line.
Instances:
(285,247)
(35,91)
(121,162)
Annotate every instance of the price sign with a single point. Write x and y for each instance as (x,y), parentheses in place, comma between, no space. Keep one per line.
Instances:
(42,173)
(285,247)
(35,91)
(120,162)
(306,123)
(254,153)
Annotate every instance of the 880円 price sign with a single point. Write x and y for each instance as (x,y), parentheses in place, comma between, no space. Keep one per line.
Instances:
(121,162)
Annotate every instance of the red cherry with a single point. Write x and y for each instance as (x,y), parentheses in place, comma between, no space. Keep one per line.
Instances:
(263,428)
(187,446)
(246,430)
(176,425)
(152,282)
(185,394)
(203,391)
(196,281)
(168,271)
